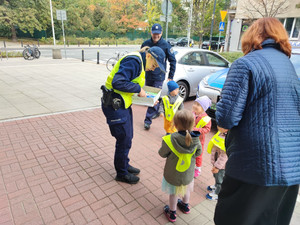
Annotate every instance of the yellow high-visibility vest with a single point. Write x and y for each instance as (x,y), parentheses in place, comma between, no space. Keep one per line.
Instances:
(184,159)
(171,109)
(205,120)
(127,96)
(217,141)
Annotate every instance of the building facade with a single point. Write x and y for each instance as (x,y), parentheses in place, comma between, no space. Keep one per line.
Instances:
(243,12)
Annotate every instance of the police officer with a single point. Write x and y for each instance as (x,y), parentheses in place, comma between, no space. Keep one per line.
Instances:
(127,78)
(156,78)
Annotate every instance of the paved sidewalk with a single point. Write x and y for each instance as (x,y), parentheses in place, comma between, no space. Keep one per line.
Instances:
(57,168)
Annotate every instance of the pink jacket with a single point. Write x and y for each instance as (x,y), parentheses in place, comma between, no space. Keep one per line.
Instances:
(203,130)
(221,160)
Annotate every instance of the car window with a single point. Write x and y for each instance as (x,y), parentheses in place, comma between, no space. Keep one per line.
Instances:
(215,60)
(193,59)
(295,58)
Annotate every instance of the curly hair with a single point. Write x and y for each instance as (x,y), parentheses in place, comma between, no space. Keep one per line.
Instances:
(263,29)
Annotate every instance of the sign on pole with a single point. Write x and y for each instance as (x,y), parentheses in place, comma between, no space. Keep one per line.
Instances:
(164,7)
(221,26)
(223,14)
(163,18)
(61,14)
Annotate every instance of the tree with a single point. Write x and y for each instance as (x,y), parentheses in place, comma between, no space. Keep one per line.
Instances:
(27,15)
(265,8)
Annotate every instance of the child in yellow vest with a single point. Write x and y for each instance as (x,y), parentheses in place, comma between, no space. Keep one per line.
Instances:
(216,147)
(202,124)
(171,104)
(180,148)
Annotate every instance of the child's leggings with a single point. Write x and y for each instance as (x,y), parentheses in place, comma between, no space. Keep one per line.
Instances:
(186,198)
(199,158)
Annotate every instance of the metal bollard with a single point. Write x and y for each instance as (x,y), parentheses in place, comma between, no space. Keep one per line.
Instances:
(99,43)
(89,44)
(98,56)
(68,43)
(82,55)
(39,43)
(22,44)
(78,44)
(4,44)
(116,43)
(107,43)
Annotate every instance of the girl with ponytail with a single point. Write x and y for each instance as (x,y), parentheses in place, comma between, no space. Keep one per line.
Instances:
(180,148)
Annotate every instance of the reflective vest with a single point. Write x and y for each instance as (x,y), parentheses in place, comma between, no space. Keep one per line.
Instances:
(217,141)
(171,109)
(184,159)
(205,120)
(127,96)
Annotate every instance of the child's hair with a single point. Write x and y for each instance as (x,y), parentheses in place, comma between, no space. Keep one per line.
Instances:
(184,121)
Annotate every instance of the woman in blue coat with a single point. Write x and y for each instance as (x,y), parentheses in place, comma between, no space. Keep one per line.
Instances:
(127,78)
(260,111)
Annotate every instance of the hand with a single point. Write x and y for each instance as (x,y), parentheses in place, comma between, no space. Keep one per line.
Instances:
(156,103)
(214,170)
(222,130)
(142,93)
(161,115)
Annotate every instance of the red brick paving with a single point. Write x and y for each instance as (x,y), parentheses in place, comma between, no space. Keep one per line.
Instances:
(58,169)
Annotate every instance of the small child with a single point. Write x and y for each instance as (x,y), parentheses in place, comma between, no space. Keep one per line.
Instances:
(171,103)
(180,148)
(202,124)
(216,147)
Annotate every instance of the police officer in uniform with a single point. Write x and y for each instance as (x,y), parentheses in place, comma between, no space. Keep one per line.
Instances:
(127,78)
(156,78)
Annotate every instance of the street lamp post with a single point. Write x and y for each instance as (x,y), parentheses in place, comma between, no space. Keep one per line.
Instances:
(52,23)
(212,25)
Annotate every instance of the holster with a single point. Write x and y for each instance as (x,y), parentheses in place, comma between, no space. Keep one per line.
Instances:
(108,98)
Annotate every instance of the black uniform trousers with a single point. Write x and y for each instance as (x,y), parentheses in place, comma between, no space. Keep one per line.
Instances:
(121,128)
(240,203)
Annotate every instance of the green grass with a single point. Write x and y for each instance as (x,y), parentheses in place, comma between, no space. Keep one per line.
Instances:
(231,56)
(11,54)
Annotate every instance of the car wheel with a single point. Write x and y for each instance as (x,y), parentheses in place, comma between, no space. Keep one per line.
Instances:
(183,90)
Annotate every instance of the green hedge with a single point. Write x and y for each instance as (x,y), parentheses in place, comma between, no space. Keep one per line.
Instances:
(11,54)
(231,56)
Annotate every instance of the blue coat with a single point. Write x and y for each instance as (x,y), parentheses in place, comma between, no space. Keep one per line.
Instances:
(157,74)
(260,105)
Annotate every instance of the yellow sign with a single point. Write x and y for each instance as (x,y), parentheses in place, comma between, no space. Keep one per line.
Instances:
(223,14)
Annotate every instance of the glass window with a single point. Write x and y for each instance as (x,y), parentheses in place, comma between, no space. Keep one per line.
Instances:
(296,28)
(289,25)
(215,60)
(281,20)
(193,59)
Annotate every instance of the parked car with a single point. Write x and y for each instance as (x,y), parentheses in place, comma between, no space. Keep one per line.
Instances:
(205,45)
(183,41)
(212,84)
(192,65)
(172,41)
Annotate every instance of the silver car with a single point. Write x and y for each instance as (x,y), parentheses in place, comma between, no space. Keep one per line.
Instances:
(193,65)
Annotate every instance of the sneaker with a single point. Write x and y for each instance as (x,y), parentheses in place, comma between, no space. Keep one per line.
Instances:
(128,178)
(183,206)
(211,188)
(212,196)
(133,170)
(197,173)
(171,215)
(155,116)
(147,126)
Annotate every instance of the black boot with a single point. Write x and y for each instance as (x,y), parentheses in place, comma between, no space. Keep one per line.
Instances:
(128,178)
(133,170)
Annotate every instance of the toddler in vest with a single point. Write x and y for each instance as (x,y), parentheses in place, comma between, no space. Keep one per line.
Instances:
(202,124)
(180,148)
(216,147)
(171,104)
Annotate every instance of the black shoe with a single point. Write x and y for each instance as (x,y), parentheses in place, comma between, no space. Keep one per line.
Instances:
(155,116)
(171,215)
(128,178)
(147,126)
(185,208)
(133,170)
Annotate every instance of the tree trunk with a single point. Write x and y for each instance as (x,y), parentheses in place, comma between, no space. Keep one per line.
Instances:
(13,33)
